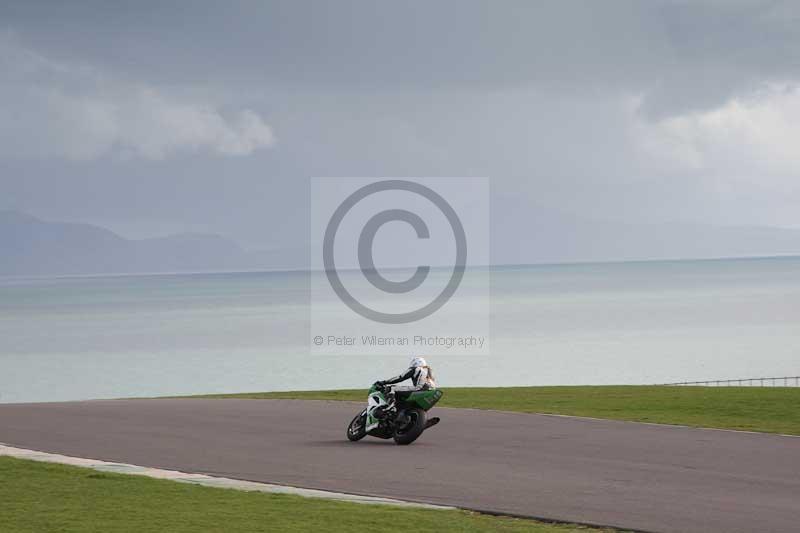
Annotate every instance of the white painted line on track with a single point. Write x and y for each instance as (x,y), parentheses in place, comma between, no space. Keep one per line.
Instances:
(205,480)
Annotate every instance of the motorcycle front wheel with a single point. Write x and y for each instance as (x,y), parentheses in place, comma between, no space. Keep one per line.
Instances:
(357,428)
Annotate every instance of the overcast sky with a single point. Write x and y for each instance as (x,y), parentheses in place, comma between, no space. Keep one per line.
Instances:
(157,117)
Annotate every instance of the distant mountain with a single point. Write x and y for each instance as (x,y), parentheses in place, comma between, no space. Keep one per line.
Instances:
(533,234)
(30,246)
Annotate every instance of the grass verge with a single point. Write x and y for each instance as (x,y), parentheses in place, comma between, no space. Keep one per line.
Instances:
(766,409)
(45,497)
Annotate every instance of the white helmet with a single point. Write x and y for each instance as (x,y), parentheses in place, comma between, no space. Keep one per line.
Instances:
(417,362)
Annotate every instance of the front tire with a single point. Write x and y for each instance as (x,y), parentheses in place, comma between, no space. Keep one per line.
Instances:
(357,428)
(411,431)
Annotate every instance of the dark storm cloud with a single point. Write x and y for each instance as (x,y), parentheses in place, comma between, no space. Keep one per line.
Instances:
(681,55)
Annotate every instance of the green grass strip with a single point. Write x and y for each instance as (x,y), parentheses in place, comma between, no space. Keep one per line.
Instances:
(51,498)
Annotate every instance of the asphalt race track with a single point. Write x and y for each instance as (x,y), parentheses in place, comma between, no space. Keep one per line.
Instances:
(638,476)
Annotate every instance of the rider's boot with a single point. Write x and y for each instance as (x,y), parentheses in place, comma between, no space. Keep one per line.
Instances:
(382,411)
(432,422)
(390,400)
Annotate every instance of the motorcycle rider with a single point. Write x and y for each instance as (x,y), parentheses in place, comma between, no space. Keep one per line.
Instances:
(420,374)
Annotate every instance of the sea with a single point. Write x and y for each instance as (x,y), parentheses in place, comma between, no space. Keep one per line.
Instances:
(76,338)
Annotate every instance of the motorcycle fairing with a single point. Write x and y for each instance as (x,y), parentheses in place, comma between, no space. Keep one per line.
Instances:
(375,400)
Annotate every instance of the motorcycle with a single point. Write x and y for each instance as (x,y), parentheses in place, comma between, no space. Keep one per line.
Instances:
(404,422)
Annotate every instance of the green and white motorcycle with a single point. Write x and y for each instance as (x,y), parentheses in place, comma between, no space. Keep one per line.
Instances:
(404,422)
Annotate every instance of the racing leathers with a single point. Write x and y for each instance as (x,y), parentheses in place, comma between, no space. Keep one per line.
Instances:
(420,376)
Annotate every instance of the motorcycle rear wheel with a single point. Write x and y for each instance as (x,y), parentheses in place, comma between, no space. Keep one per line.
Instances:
(411,431)
(357,428)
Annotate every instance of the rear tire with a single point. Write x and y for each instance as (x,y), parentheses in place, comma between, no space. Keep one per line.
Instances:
(357,428)
(413,429)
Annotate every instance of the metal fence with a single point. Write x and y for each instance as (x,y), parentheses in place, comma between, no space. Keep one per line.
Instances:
(784,381)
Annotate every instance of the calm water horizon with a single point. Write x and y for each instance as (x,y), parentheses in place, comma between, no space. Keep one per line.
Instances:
(83,337)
